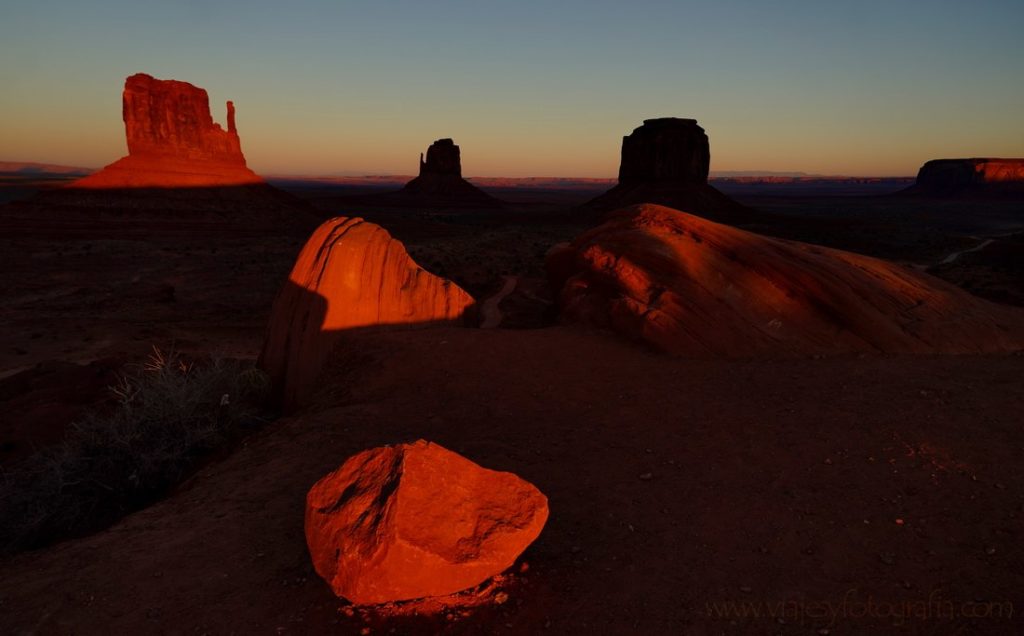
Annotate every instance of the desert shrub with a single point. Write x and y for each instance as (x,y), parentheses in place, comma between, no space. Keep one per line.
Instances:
(170,415)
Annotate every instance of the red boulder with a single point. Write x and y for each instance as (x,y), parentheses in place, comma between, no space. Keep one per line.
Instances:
(416,520)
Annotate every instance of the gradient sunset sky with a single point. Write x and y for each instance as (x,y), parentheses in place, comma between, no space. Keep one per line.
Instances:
(528,88)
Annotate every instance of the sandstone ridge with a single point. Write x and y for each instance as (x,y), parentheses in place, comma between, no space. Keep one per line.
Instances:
(694,287)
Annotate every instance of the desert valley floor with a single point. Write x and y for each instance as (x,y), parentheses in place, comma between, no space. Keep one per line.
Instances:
(687,495)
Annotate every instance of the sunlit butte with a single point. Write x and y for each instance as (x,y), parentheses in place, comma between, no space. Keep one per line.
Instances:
(529,89)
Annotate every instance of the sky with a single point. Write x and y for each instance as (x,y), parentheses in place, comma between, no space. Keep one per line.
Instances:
(331,87)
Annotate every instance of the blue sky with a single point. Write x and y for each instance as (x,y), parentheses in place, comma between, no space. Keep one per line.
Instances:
(529,88)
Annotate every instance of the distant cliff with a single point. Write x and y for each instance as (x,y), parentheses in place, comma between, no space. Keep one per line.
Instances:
(953,177)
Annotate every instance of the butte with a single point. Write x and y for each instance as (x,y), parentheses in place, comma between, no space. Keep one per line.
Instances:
(666,161)
(183,171)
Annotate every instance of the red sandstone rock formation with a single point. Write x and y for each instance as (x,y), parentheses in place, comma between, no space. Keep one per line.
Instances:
(669,149)
(690,286)
(666,161)
(443,157)
(350,274)
(440,180)
(945,177)
(173,141)
(416,520)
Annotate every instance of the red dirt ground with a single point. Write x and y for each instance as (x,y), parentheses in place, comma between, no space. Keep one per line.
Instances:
(680,490)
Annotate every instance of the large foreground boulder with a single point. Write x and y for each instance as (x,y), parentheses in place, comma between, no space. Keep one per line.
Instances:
(666,161)
(350,274)
(690,286)
(415,520)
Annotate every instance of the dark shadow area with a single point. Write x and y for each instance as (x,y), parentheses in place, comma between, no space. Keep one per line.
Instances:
(298,346)
(160,422)
(245,209)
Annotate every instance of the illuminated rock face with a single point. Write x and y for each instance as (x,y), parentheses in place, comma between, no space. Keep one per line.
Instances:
(173,140)
(415,520)
(350,274)
(666,162)
(955,176)
(693,287)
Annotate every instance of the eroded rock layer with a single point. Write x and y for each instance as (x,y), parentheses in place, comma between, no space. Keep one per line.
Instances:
(690,286)
(416,520)
(350,274)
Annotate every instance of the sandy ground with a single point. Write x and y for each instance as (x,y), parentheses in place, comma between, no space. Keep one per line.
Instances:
(680,490)
(828,496)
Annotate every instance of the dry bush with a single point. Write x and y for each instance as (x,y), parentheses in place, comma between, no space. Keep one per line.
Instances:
(170,415)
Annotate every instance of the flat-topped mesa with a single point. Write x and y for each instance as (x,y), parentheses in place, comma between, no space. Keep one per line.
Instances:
(665,149)
(442,158)
(666,161)
(173,140)
(974,175)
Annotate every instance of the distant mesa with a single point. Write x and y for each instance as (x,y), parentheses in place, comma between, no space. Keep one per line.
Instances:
(173,140)
(417,520)
(666,161)
(440,179)
(965,177)
(350,274)
(690,286)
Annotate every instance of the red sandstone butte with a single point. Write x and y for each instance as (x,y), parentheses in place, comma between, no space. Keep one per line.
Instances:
(690,286)
(665,161)
(349,274)
(417,520)
(440,179)
(173,141)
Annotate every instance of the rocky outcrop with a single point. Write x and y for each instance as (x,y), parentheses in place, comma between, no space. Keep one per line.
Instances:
(417,520)
(350,274)
(440,180)
(689,286)
(951,177)
(666,161)
(173,140)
